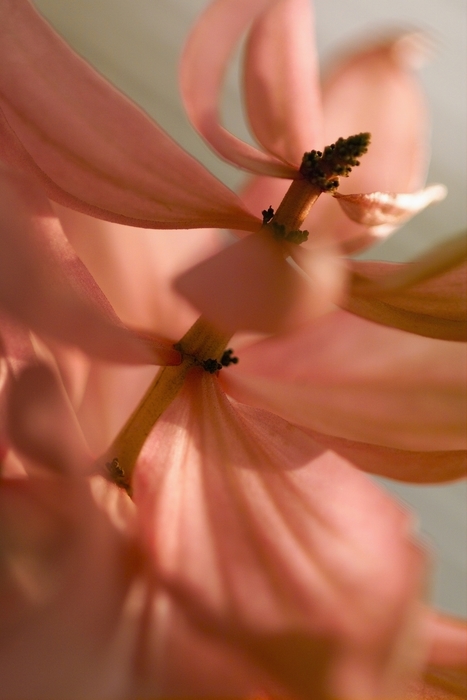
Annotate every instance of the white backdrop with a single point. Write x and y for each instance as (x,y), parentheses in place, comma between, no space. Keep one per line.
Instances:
(136,44)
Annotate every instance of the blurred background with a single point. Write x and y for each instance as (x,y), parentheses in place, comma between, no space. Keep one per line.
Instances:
(136,44)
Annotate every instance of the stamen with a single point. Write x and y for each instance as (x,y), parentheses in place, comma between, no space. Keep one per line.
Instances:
(267,215)
(324,169)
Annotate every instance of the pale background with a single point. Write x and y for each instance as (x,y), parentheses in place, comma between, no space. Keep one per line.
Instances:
(136,44)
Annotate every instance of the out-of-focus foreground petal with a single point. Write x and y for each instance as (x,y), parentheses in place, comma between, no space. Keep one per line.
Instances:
(348,377)
(329,573)
(202,70)
(90,147)
(427,296)
(136,267)
(45,285)
(251,286)
(282,88)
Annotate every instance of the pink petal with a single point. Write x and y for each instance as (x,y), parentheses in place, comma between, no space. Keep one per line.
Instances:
(403,465)
(42,424)
(250,286)
(90,147)
(281,81)
(383,208)
(428,296)
(46,286)
(136,268)
(448,640)
(298,557)
(350,378)
(202,70)
(376,90)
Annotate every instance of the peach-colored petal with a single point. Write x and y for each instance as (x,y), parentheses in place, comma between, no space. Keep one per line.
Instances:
(403,465)
(326,558)
(45,285)
(282,89)
(427,296)
(136,268)
(203,66)
(383,208)
(348,377)
(375,89)
(89,146)
(250,286)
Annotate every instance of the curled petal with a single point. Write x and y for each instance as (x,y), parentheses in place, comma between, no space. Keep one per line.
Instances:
(350,378)
(380,208)
(328,571)
(45,285)
(202,70)
(427,296)
(281,81)
(90,147)
(251,286)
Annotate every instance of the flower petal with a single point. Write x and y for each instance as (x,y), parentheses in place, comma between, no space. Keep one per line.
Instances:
(327,571)
(351,378)
(90,147)
(376,90)
(427,296)
(203,65)
(251,286)
(383,208)
(282,88)
(136,268)
(46,286)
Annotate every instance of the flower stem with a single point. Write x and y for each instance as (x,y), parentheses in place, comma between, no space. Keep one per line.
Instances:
(201,342)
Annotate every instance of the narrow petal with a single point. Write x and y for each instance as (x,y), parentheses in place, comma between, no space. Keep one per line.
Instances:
(251,286)
(348,377)
(202,70)
(90,147)
(427,296)
(45,285)
(383,208)
(376,89)
(282,88)
(328,570)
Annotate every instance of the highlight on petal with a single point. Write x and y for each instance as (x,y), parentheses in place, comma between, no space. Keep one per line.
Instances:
(202,70)
(89,146)
(281,81)
(427,296)
(251,286)
(45,285)
(344,376)
(329,574)
(383,208)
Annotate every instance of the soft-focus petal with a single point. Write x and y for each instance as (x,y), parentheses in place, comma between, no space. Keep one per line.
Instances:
(90,147)
(45,285)
(251,286)
(203,66)
(328,571)
(348,377)
(427,296)
(136,268)
(282,89)
(375,90)
(383,208)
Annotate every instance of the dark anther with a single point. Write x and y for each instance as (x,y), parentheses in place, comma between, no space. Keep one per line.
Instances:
(337,160)
(267,215)
(117,474)
(228,358)
(211,365)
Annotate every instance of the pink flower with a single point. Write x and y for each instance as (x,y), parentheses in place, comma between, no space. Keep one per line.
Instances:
(279,566)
